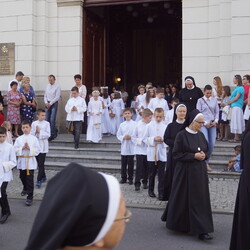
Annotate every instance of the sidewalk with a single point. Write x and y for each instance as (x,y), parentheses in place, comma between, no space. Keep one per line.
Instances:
(222,193)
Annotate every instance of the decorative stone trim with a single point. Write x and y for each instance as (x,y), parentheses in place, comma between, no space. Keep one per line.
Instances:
(62,3)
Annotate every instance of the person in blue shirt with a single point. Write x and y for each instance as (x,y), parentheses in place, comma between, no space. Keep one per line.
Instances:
(234,163)
(237,125)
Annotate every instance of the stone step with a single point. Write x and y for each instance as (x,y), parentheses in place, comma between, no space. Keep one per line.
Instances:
(225,156)
(94,159)
(107,168)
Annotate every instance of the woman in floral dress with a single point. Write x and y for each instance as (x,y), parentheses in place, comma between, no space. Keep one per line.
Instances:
(28,104)
(13,111)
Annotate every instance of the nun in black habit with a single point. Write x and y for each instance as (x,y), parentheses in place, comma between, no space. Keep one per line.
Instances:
(189,208)
(190,94)
(171,131)
(81,209)
(240,238)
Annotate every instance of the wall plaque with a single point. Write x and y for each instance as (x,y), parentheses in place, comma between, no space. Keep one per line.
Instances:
(7,58)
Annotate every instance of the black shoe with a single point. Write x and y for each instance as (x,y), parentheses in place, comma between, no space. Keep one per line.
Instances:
(51,138)
(160,197)
(151,194)
(23,193)
(137,188)
(28,202)
(130,182)
(4,218)
(205,237)
(145,186)
(122,181)
(76,147)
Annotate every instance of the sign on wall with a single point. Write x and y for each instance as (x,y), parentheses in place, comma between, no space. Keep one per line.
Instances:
(7,58)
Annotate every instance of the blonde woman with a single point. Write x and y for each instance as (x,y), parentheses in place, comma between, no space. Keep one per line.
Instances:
(26,79)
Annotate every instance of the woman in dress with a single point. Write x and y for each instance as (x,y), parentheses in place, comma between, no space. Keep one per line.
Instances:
(190,94)
(241,222)
(172,130)
(209,107)
(175,92)
(189,208)
(149,95)
(28,104)
(237,124)
(14,101)
(168,95)
(25,80)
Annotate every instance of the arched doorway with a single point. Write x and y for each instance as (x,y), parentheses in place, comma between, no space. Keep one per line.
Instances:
(132,42)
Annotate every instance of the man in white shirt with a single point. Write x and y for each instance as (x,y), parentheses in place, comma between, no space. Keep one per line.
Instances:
(51,98)
(18,79)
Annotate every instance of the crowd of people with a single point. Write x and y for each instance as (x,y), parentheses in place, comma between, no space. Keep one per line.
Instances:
(171,132)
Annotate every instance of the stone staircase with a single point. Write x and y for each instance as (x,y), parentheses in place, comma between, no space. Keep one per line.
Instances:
(105,156)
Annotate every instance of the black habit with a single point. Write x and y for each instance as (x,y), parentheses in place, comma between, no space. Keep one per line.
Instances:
(189,208)
(240,238)
(169,138)
(190,97)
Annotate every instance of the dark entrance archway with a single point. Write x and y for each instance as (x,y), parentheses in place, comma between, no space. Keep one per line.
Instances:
(134,42)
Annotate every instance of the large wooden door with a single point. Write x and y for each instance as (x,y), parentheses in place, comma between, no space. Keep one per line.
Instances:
(94,43)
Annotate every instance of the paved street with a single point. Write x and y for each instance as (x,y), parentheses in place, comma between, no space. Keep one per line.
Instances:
(222,192)
(145,231)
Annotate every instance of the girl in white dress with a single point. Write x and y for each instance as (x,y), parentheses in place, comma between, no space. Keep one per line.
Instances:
(116,108)
(132,106)
(106,127)
(140,102)
(94,132)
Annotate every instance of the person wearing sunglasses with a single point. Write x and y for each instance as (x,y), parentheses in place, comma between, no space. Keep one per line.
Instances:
(81,209)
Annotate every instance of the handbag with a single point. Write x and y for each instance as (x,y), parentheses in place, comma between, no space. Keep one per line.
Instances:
(70,126)
(111,114)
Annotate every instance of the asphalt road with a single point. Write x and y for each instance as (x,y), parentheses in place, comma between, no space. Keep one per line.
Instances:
(145,231)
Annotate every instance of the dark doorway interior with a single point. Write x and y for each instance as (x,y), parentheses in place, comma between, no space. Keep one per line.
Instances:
(137,43)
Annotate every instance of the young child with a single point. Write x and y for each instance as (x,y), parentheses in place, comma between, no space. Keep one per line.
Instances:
(116,108)
(124,135)
(7,125)
(224,122)
(133,107)
(41,130)
(170,113)
(1,114)
(27,148)
(140,150)
(106,128)
(8,161)
(159,102)
(234,163)
(75,108)
(140,101)
(156,152)
(94,131)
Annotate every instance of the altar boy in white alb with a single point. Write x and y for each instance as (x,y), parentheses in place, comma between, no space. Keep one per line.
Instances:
(27,148)
(159,102)
(124,135)
(41,130)
(7,162)
(156,152)
(75,108)
(141,172)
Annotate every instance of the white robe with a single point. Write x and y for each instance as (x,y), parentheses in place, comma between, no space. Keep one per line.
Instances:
(80,105)
(43,135)
(155,152)
(169,116)
(94,131)
(106,128)
(158,103)
(141,104)
(117,107)
(246,113)
(132,106)
(137,138)
(27,158)
(126,128)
